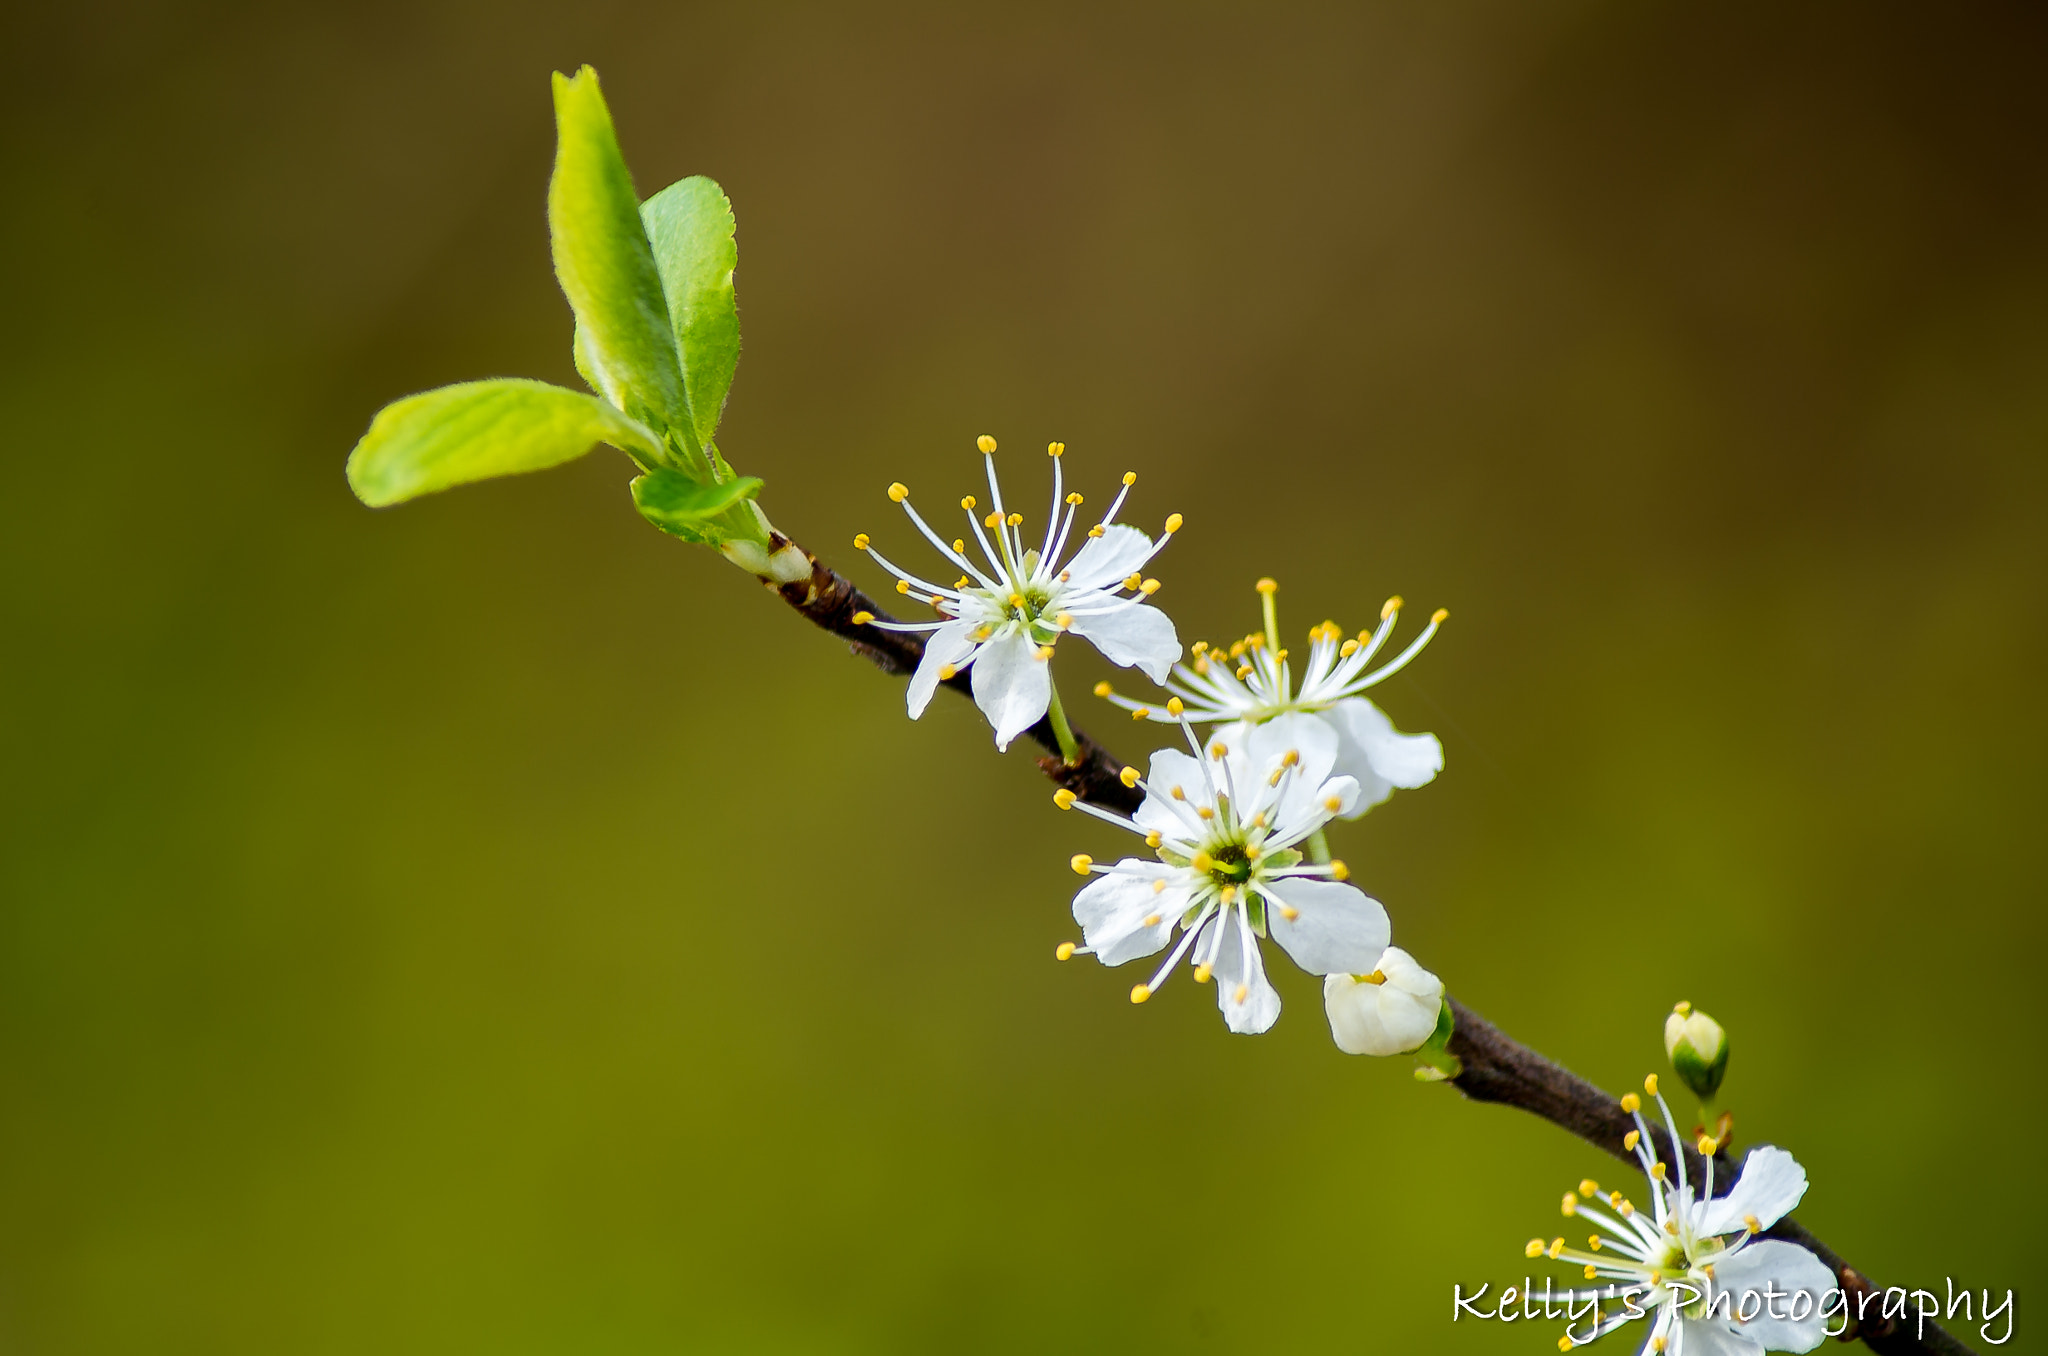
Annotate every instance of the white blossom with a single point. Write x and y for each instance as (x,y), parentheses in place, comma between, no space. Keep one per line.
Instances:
(1389,1012)
(1252,680)
(1222,824)
(1694,1266)
(1007,611)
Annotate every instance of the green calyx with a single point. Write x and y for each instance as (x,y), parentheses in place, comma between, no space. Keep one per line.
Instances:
(656,337)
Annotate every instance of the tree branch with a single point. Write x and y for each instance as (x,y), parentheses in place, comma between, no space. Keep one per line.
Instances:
(1496,1067)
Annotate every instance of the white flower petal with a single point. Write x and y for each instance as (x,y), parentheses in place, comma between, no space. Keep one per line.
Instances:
(1378,1019)
(1130,634)
(1770,1185)
(1112,910)
(1378,755)
(1336,928)
(1108,559)
(1158,814)
(1260,1007)
(1404,972)
(947,645)
(1772,1264)
(1712,1337)
(1293,731)
(1012,685)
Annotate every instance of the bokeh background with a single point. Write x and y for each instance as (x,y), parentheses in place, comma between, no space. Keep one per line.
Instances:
(489,925)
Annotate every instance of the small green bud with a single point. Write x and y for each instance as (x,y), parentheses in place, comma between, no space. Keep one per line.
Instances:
(1698,1048)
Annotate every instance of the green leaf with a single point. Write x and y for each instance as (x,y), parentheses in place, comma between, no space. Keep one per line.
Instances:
(690,225)
(683,507)
(479,429)
(607,267)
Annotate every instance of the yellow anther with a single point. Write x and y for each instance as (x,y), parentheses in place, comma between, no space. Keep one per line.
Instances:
(1081,861)
(1130,477)
(1615,1199)
(1202,973)
(903,586)
(1237,650)
(1097,530)
(1290,758)
(1152,919)
(1594,1243)
(1228,893)
(860,541)
(1279,655)
(1199,647)
(1289,912)
(1278,772)
(1259,820)
(936,599)
(1571,1204)
(993,520)
(1140,712)
(1014,519)
(1129,776)
(1153,840)
(1707,1144)
(1565,1343)
(1671,1227)
(1709,1269)
(1064,951)
(1591,1272)
(1657,1171)
(962,582)
(1334,804)
(1178,794)
(946,672)
(1631,1103)
(1045,652)
(1534,1248)
(1753,1224)
(1390,607)
(1202,861)
(1243,992)
(1440,616)
(1134,581)
(1683,1009)
(1174,706)
(1219,750)
(1589,1188)
(1064,798)
(967,502)
(1139,993)
(1244,672)
(984,632)
(1149,587)
(1631,1139)
(1267,586)
(1075,500)
(1650,1085)
(863,618)
(899,492)
(1659,1343)
(1252,852)
(1159,886)
(1173,522)
(985,443)
(1555,1249)
(1376,977)
(1066,576)
(1016,600)
(1054,449)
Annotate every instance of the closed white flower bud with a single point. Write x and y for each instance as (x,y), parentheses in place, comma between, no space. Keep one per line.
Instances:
(1698,1048)
(1389,1012)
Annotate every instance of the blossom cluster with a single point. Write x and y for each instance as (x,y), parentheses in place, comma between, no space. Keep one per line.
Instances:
(1233,822)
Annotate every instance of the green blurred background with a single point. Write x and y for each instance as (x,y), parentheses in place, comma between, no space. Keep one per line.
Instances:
(489,925)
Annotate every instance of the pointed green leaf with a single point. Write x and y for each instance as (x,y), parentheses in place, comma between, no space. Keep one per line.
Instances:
(690,226)
(606,265)
(481,429)
(677,504)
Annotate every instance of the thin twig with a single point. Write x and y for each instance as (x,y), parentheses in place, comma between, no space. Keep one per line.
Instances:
(1496,1067)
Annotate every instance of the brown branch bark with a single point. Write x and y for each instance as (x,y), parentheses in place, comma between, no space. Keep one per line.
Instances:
(1496,1067)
